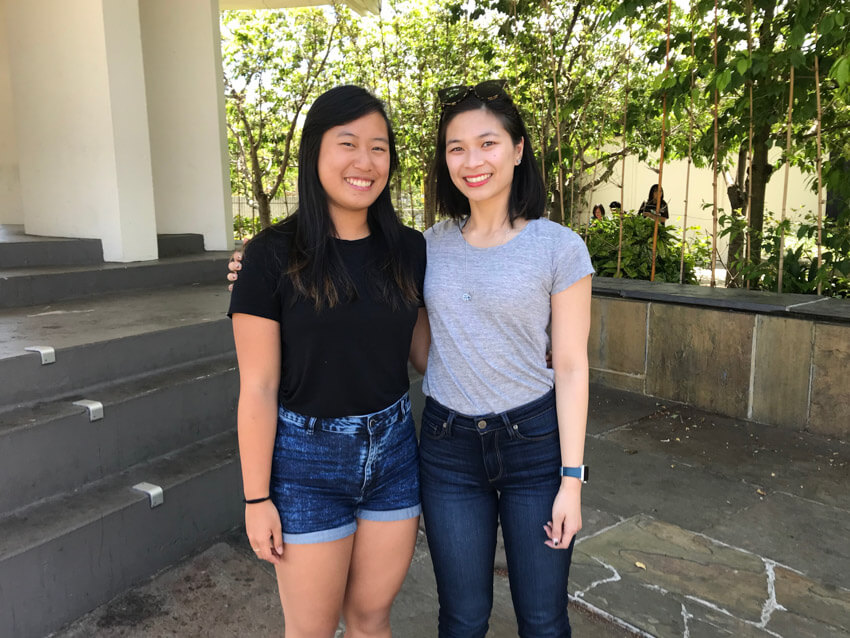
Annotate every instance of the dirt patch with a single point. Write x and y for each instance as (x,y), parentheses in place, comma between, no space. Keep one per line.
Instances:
(132,609)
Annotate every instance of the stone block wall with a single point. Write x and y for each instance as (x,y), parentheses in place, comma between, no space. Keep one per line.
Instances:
(777,359)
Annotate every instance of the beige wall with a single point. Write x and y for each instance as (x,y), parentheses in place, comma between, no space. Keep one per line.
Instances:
(639,177)
(185,99)
(81,122)
(11,208)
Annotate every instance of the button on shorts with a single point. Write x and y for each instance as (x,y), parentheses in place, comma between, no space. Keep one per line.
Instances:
(329,472)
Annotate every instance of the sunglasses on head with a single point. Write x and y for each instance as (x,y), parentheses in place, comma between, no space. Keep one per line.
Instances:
(485,91)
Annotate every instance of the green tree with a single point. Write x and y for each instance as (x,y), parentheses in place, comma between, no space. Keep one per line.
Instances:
(274,62)
(785,35)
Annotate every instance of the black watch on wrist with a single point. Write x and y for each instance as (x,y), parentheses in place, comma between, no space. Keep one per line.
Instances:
(582,472)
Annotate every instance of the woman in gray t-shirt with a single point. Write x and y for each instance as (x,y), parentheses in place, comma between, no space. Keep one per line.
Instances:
(502,435)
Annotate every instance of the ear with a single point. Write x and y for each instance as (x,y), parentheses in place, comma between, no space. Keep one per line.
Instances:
(518,151)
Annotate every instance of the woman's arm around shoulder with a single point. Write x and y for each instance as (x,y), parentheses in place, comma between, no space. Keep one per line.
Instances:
(421,341)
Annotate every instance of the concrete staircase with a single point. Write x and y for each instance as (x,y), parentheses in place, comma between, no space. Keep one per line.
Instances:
(118,390)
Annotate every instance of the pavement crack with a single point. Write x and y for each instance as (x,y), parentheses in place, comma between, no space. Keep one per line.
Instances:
(812,501)
(770,604)
(726,612)
(611,579)
(600,531)
(619,622)
(686,631)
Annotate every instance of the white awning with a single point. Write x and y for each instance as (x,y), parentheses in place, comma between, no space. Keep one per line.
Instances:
(360,6)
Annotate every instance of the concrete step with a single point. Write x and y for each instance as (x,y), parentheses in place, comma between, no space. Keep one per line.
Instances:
(62,558)
(175,245)
(97,341)
(18,250)
(32,286)
(141,419)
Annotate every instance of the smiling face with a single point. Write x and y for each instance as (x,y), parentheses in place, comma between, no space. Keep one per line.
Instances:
(481,156)
(354,164)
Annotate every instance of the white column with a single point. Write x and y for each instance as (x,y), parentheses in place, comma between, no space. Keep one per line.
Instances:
(81,122)
(11,208)
(185,98)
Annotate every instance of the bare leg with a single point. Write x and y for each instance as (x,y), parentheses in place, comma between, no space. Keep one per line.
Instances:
(312,582)
(379,564)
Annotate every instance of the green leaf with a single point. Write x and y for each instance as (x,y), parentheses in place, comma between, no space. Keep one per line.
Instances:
(841,71)
(743,64)
(723,80)
(839,19)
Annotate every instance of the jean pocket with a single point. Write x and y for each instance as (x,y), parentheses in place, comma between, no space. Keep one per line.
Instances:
(539,427)
(433,428)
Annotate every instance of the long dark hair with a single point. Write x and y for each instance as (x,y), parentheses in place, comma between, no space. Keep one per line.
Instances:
(653,195)
(528,194)
(315,266)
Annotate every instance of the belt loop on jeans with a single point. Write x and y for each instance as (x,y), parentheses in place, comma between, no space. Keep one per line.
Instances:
(509,428)
(311,424)
(447,424)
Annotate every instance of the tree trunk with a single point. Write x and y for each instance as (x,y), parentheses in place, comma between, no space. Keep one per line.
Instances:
(761,173)
(430,212)
(737,192)
(555,206)
(264,209)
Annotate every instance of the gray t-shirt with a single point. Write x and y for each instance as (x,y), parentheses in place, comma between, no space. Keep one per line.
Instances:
(489,309)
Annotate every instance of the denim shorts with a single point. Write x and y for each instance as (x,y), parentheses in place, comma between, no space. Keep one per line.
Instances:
(328,472)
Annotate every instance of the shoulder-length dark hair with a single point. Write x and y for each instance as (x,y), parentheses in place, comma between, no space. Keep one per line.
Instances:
(315,266)
(528,194)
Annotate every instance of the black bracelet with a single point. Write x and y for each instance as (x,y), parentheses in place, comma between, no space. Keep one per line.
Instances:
(252,501)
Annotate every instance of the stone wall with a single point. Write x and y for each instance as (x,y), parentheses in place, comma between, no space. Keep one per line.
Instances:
(766,357)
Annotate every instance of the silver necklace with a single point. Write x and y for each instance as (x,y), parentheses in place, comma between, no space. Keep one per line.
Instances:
(466,287)
(467,292)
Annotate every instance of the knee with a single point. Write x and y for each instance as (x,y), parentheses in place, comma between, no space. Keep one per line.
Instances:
(310,628)
(367,623)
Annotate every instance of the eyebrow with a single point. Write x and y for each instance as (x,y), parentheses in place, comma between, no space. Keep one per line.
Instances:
(350,134)
(483,135)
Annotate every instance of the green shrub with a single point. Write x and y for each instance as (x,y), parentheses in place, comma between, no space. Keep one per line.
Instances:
(247,227)
(636,261)
(800,265)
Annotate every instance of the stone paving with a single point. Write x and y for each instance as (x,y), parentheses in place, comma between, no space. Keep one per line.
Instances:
(695,526)
(226,592)
(708,526)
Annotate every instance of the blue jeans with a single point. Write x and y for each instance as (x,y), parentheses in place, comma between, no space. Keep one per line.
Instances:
(329,472)
(476,472)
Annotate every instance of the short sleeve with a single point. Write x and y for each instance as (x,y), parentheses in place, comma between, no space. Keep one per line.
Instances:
(257,290)
(570,261)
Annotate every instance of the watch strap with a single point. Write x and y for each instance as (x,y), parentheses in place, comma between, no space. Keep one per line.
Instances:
(582,472)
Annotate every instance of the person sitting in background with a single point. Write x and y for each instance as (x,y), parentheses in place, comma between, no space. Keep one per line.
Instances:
(655,207)
(598,214)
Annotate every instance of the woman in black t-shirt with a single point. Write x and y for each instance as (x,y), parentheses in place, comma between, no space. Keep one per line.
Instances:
(648,207)
(323,314)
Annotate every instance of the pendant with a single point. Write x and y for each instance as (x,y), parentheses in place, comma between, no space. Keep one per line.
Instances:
(466,297)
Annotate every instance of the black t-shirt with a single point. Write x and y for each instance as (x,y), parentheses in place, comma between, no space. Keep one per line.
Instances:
(347,360)
(649,207)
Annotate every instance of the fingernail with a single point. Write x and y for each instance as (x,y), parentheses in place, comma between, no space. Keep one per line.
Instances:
(279,550)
